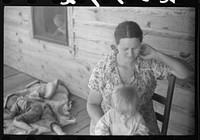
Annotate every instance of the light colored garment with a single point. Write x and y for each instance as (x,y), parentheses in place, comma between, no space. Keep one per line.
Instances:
(105,77)
(111,124)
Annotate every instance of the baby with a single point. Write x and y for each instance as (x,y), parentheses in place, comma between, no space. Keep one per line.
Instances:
(60,24)
(26,110)
(123,118)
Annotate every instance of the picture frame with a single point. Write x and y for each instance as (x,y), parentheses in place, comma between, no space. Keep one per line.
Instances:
(50,23)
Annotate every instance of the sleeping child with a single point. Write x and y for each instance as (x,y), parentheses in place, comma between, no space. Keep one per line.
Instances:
(123,118)
(25,110)
(29,109)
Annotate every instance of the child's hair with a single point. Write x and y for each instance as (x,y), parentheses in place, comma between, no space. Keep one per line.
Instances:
(124,98)
(128,29)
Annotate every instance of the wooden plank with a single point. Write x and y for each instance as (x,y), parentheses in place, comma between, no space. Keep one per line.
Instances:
(84,131)
(78,104)
(93,47)
(19,14)
(180,20)
(8,71)
(47,61)
(104,35)
(154,25)
(17,36)
(83,120)
(45,70)
(16,82)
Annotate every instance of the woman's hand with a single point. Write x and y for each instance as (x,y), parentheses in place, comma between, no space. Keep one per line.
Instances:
(147,52)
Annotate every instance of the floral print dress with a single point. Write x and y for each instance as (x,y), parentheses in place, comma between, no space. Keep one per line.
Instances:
(105,77)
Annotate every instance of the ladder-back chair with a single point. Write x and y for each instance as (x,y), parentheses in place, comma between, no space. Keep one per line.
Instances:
(167,102)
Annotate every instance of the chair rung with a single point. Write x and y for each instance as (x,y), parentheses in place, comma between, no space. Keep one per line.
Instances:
(159,98)
(159,117)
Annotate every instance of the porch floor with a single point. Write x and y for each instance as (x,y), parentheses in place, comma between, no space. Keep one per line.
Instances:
(15,80)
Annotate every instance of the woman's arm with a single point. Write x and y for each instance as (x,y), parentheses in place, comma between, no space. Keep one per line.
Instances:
(178,67)
(93,106)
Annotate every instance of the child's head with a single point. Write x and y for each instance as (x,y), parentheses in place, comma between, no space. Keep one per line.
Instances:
(11,99)
(58,20)
(124,101)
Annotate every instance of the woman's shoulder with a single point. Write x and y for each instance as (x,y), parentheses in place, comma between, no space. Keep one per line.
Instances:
(144,63)
(108,59)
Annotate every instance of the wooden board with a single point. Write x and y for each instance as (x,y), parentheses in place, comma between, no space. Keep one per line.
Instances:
(179,20)
(16,82)
(7,71)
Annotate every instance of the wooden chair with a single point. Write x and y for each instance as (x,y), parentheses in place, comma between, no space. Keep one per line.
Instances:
(167,102)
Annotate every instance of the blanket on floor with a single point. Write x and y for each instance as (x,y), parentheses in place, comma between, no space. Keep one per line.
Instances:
(54,94)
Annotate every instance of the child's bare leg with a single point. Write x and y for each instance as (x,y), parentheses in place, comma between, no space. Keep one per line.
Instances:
(58,129)
(25,126)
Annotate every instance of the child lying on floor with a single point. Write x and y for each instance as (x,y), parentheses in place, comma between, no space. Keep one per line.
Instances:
(123,119)
(25,110)
(30,108)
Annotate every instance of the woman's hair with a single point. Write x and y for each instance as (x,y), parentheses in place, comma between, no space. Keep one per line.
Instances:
(124,98)
(128,29)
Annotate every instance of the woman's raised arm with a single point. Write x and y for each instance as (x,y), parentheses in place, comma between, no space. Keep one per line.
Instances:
(179,68)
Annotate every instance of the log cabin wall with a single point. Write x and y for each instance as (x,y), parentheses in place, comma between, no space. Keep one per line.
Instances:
(170,30)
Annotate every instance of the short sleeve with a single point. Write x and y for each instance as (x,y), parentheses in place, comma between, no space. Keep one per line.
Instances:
(96,79)
(160,70)
(141,126)
(103,125)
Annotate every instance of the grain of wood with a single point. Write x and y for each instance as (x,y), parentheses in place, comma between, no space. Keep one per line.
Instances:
(169,19)
(169,29)
(7,71)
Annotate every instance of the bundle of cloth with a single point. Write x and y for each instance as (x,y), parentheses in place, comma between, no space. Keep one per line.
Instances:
(53,93)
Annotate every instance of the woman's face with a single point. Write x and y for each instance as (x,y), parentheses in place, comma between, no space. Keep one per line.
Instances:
(129,48)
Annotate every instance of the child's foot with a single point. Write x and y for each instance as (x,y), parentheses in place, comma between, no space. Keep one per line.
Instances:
(33,131)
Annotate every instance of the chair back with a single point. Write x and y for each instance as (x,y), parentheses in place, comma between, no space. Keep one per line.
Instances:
(167,102)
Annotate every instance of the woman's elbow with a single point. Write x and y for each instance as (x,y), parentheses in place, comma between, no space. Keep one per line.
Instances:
(188,75)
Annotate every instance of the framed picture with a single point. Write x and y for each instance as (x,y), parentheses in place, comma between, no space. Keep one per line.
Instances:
(50,24)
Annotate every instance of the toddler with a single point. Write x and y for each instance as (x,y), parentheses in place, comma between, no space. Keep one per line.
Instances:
(123,118)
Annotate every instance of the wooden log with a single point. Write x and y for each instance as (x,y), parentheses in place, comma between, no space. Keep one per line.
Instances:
(47,71)
(17,13)
(180,20)
(104,34)
(92,47)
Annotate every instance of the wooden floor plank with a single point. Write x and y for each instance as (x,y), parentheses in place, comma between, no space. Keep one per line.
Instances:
(78,104)
(16,82)
(8,71)
(72,129)
(84,131)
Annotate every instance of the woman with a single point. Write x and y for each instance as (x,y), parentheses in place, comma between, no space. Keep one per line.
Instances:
(133,64)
